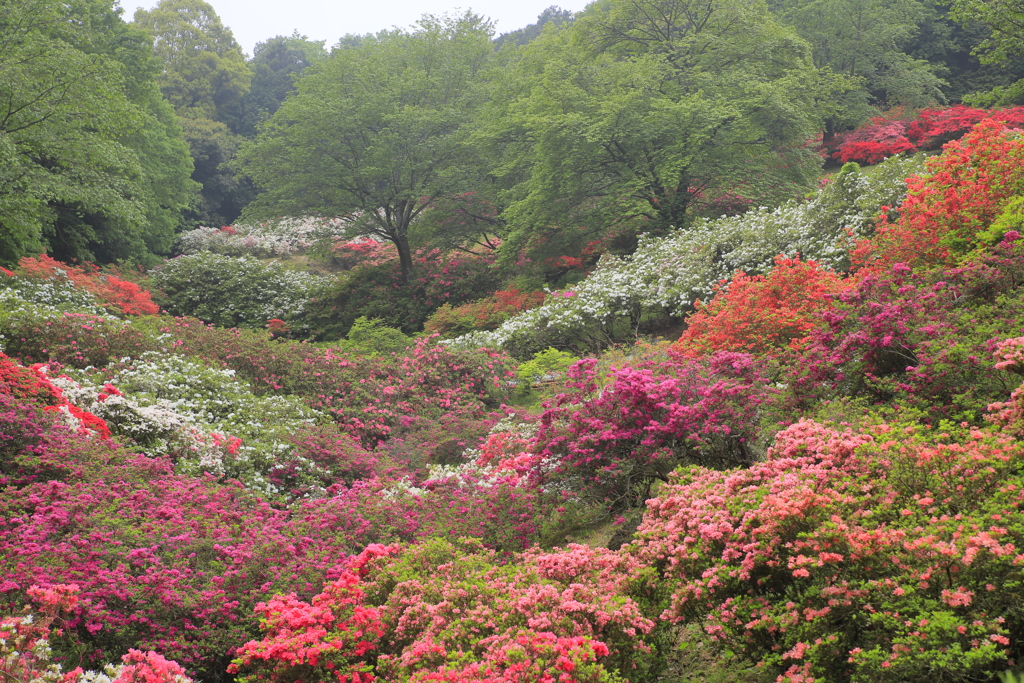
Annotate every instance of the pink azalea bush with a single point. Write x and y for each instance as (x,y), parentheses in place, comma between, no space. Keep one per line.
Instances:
(886,553)
(611,442)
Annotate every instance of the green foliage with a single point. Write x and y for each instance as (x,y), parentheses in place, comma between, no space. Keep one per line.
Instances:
(234,292)
(371,337)
(655,109)
(546,364)
(89,155)
(376,131)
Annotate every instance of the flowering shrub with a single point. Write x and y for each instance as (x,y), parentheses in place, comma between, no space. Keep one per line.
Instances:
(235,291)
(264,240)
(485,314)
(326,639)
(112,292)
(917,339)
(71,339)
(883,554)
(447,607)
(898,131)
(761,315)
(611,443)
(948,210)
(665,276)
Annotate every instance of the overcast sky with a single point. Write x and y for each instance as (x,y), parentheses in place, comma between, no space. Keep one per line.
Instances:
(254,21)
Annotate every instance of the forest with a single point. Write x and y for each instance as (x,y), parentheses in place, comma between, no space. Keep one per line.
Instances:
(668,340)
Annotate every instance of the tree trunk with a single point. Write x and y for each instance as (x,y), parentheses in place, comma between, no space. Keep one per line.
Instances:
(401,243)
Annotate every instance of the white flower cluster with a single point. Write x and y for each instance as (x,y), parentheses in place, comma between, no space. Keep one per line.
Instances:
(48,297)
(273,238)
(666,275)
(171,405)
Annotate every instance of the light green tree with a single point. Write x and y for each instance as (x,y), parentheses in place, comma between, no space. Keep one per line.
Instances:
(378,131)
(93,167)
(658,109)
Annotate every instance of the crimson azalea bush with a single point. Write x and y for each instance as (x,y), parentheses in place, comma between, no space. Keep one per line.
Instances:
(761,314)
(900,131)
(889,552)
(610,443)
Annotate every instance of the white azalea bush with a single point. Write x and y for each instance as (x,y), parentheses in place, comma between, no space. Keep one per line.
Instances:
(281,237)
(665,276)
(233,291)
(204,418)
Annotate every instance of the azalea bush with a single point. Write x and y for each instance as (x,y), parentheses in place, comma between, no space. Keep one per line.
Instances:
(485,314)
(379,292)
(885,552)
(115,293)
(918,340)
(235,291)
(609,438)
(269,239)
(763,314)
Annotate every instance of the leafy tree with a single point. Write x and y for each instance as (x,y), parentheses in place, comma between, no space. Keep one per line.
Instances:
(204,74)
(658,109)
(376,133)
(93,168)
(552,15)
(275,65)
(204,77)
(864,41)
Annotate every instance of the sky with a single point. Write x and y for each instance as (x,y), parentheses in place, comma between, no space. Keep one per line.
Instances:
(254,21)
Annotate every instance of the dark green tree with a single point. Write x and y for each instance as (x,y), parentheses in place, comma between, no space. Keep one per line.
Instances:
(377,132)
(275,65)
(205,77)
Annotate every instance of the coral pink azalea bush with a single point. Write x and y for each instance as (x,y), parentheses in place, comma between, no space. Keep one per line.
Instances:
(887,553)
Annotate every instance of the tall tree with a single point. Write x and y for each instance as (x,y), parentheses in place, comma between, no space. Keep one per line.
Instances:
(657,108)
(89,155)
(205,77)
(376,133)
(864,40)
(275,65)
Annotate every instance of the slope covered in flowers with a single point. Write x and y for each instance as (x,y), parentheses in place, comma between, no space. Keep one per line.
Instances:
(822,480)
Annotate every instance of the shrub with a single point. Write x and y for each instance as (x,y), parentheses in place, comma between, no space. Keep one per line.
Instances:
(890,552)
(115,293)
(761,315)
(235,292)
(611,443)
(485,314)
(965,189)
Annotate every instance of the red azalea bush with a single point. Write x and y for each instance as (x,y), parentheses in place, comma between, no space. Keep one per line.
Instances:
(887,553)
(900,131)
(947,211)
(763,314)
(113,292)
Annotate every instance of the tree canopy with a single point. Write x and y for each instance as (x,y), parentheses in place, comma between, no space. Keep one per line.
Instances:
(376,133)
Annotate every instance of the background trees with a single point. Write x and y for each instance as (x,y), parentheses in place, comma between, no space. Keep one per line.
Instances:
(376,132)
(93,166)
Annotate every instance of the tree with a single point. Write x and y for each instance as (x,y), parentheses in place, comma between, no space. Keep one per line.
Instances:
(205,78)
(1004,17)
(863,41)
(89,154)
(275,65)
(377,131)
(658,109)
